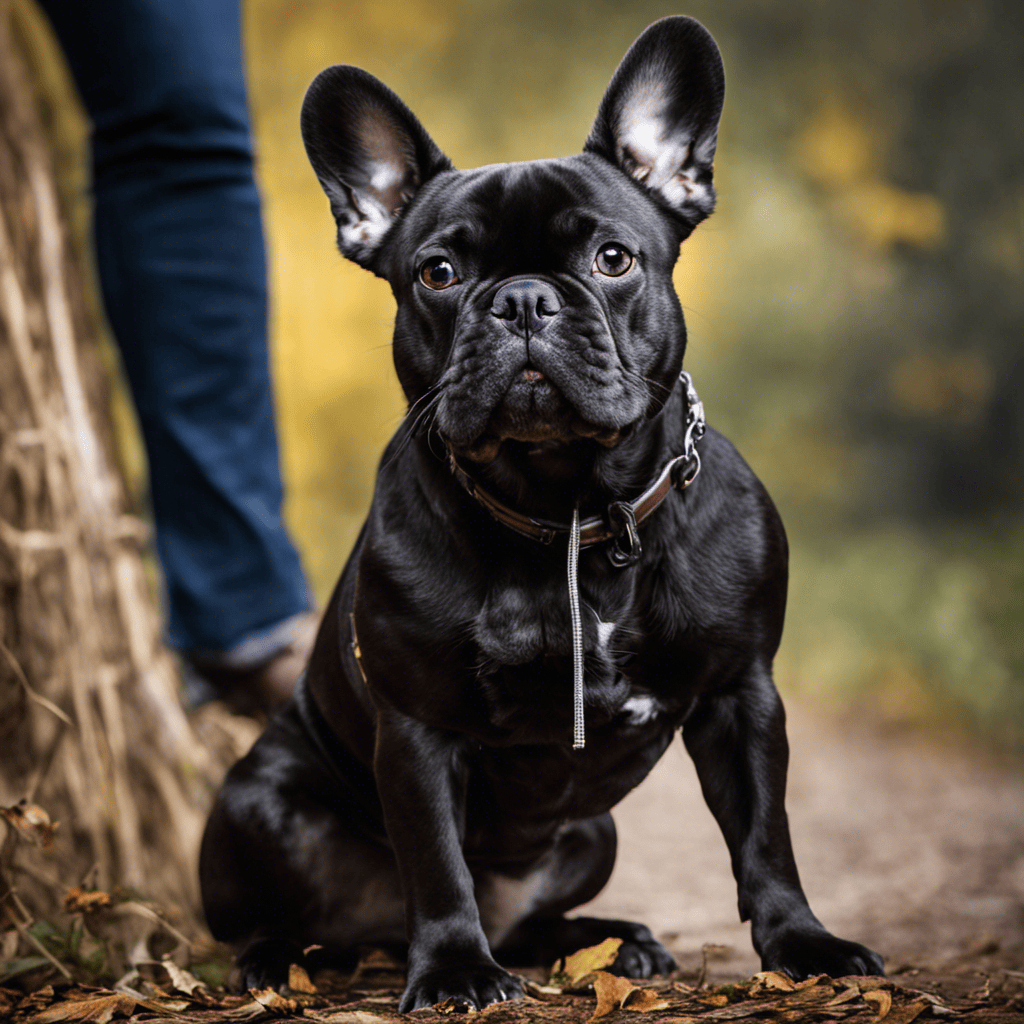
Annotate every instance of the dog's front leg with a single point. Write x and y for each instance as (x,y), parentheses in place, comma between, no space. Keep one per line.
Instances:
(422,789)
(737,740)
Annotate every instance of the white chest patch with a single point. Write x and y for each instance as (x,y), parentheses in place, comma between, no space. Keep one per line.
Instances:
(641,708)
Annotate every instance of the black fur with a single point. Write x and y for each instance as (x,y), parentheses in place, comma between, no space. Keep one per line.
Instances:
(438,807)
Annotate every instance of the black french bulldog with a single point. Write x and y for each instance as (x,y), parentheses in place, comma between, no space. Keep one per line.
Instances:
(422,790)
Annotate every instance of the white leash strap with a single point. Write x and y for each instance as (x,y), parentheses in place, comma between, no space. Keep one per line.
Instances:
(578,739)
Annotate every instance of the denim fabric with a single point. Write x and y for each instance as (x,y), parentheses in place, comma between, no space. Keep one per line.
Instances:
(180,254)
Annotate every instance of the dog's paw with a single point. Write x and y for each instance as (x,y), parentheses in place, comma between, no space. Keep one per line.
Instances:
(642,955)
(478,985)
(802,953)
(264,963)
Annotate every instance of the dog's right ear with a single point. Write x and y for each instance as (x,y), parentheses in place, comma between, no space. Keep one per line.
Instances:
(370,153)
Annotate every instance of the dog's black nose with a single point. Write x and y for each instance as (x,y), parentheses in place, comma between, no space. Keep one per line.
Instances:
(527,306)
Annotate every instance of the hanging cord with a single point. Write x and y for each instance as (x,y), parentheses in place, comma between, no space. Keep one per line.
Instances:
(578,739)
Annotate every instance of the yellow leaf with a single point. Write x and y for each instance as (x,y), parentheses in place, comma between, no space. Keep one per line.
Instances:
(611,992)
(880,1000)
(848,993)
(775,980)
(298,979)
(908,1012)
(84,901)
(818,979)
(585,961)
(643,1000)
(31,822)
(273,1001)
(714,999)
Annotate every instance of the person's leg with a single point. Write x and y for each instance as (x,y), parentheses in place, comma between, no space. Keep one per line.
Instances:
(181,261)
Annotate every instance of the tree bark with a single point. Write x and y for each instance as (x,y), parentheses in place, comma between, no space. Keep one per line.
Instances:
(91,724)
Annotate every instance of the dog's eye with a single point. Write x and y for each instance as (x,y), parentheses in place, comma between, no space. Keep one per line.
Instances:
(613,261)
(438,273)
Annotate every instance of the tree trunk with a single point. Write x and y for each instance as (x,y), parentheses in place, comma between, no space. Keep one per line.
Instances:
(91,725)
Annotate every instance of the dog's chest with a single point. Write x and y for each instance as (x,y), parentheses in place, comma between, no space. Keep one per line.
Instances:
(524,667)
(525,616)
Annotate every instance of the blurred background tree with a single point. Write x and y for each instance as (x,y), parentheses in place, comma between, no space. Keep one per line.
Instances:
(855,305)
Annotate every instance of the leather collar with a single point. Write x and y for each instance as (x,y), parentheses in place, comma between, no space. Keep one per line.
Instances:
(621,517)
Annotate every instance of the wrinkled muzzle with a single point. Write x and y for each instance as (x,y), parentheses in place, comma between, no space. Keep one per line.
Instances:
(536,363)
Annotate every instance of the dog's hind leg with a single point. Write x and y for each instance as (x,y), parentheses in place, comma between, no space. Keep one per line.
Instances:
(282,867)
(572,874)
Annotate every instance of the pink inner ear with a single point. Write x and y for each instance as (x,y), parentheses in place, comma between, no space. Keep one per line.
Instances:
(391,167)
(644,150)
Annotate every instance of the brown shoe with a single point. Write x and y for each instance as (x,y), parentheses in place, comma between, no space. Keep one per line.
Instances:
(258,689)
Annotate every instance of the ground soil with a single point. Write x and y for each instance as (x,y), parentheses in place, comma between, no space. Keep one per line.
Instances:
(911,844)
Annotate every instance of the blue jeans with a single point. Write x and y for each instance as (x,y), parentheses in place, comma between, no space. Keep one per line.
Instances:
(180,254)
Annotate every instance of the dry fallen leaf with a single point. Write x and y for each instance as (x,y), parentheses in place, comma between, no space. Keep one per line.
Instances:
(98,1010)
(38,999)
(298,979)
(585,961)
(938,1007)
(848,993)
(181,979)
(353,1017)
(908,1012)
(865,982)
(818,979)
(714,999)
(643,1000)
(880,1000)
(273,1001)
(546,993)
(82,901)
(773,980)
(611,991)
(31,822)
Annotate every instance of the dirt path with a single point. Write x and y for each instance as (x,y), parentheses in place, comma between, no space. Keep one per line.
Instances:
(909,845)
(913,847)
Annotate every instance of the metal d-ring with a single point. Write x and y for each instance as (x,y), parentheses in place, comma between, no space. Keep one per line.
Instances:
(686,472)
(622,520)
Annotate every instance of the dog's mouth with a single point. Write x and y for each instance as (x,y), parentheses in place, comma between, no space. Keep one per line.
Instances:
(535,411)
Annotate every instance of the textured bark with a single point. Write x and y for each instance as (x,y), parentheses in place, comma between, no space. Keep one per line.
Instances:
(91,725)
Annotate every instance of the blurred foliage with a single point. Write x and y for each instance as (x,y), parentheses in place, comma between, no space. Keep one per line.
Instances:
(855,305)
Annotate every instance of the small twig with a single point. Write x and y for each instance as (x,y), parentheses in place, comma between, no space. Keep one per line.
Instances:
(10,897)
(131,907)
(702,975)
(38,698)
(43,951)
(44,765)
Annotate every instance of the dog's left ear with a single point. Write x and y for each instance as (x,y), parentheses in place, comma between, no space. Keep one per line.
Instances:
(658,120)
(370,153)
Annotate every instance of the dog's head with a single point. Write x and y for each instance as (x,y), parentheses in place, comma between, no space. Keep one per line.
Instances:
(535,300)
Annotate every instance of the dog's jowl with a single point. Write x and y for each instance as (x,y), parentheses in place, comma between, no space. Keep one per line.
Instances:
(482,693)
